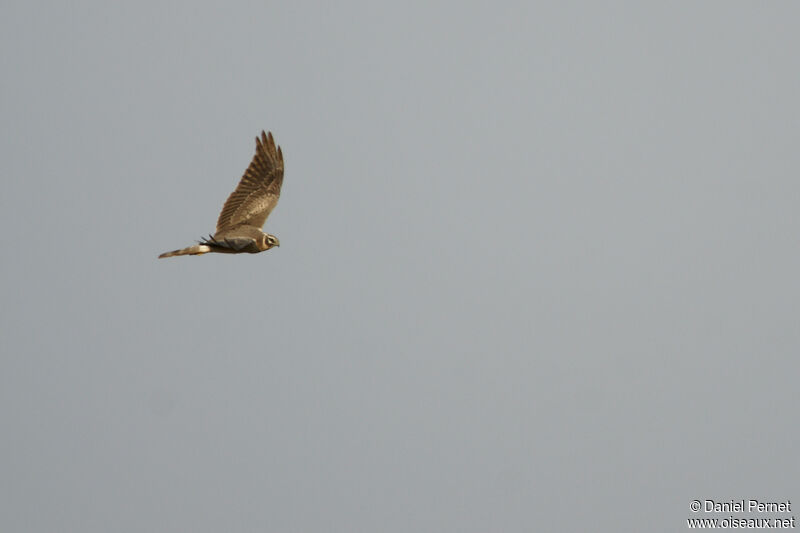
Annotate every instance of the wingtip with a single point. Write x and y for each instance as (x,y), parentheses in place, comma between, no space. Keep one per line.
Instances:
(266,141)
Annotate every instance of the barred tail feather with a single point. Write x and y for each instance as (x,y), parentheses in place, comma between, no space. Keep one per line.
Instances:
(197,249)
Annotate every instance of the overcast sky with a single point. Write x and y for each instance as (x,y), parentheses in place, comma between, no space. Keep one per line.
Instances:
(538,266)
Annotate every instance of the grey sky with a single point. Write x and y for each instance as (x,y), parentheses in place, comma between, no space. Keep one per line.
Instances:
(538,265)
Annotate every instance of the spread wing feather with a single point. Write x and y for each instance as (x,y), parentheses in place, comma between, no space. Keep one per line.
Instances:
(259,189)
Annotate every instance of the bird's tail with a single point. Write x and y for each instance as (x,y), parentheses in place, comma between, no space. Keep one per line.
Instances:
(197,249)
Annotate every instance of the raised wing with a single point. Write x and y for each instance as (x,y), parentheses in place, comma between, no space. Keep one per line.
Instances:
(259,189)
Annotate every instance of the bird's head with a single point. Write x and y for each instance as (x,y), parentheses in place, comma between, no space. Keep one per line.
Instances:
(268,241)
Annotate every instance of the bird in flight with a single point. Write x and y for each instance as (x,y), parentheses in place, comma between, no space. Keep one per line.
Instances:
(247,208)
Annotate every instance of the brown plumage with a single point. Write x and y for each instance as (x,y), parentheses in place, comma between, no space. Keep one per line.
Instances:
(247,208)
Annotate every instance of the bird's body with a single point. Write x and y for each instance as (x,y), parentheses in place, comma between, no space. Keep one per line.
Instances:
(247,208)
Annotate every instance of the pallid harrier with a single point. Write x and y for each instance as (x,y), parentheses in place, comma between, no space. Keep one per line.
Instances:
(247,208)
